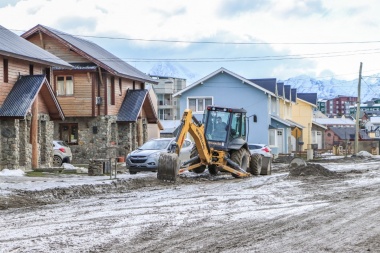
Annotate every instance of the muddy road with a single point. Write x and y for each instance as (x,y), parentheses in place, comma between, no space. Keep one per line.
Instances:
(333,206)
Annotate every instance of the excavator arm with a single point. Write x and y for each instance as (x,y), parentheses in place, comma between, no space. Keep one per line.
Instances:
(168,164)
(189,124)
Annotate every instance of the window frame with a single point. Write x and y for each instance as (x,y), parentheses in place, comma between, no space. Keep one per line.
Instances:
(197,103)
(65,86)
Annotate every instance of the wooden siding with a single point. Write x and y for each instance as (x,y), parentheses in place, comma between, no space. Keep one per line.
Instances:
(119,94)
(16,67)
(82,104)
(53,46)
(79,105)
(42,106)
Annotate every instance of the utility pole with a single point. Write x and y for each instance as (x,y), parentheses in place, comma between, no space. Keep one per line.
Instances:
(358,112)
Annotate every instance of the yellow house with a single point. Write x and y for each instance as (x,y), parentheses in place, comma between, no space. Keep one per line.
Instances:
(302,113)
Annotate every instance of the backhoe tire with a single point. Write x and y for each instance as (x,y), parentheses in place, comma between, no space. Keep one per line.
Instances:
(241,157)
(213,169)
(267,166)
(255,165)
(200,169)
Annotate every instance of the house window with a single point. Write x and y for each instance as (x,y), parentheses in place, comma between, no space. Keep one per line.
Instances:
(69,133)
(31,69)
(120,87)
(272,137)
(199,104)
(5,70)
(65,86)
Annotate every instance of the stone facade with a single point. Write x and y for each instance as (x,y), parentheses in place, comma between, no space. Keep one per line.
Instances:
(15,146)
(102,138)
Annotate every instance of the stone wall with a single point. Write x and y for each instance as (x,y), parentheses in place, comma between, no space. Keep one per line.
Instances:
(15,146)
(9,144)
(102,138)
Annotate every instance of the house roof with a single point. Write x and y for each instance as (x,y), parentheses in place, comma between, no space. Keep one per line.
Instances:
(94,53)
(375,120)
(13,45)
(222,70)
(293,93)
(348,133)
(133,103)
(169,126)
(266,83)
(334,121)
(24,92)
(280,89)
(295,124)
(308,97)
(287,90)
(278,119)
(319,125)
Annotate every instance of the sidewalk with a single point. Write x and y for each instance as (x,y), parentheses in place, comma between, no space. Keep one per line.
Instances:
(13,180)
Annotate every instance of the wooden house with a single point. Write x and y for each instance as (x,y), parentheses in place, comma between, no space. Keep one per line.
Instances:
(27,103)
(104,99)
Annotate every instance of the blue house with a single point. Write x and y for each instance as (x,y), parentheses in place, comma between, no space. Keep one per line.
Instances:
(225,88)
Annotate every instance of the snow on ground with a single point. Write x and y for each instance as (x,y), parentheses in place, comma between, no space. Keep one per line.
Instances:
(11,173)
(222,214)
(17,180)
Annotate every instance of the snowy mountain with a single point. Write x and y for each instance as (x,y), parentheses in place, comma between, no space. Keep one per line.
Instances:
(172,70)
(326,88)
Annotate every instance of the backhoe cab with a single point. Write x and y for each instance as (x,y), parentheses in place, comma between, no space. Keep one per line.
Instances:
(220,145)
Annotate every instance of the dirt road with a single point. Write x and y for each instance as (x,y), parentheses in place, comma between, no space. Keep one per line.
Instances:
(334,207)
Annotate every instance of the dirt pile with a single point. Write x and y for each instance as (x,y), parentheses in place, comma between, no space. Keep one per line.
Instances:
(311,169)
(29,198)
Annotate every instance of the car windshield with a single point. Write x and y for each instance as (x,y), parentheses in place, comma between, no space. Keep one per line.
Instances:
(155,144)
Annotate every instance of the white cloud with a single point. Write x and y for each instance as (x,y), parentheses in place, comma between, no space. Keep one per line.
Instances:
(285,21)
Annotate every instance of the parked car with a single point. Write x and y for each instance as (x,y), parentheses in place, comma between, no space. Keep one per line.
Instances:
(145,158)
(62,153)
(261,149)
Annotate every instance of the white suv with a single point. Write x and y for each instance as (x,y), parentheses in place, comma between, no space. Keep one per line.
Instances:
(62,153)
(261,149)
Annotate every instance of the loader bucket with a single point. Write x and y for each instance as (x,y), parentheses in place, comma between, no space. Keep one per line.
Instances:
(168,167)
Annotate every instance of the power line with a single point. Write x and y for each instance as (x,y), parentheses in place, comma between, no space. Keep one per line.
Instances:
(217,42)
(244,58)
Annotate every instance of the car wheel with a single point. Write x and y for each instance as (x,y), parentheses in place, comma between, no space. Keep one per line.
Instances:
(132,172)
(57,161)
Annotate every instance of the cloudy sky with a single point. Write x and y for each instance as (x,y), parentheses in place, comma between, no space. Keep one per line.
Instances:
(253,38)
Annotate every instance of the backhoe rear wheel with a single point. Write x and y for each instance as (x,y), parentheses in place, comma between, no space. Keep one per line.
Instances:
(255,165)
(200,169)
(241,157)
(168,166)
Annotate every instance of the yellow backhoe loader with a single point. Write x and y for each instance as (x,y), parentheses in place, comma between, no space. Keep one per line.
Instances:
(220,145)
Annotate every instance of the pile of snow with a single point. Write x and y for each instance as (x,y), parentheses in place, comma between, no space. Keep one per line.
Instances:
(71,168)
(12,173)
(364,153)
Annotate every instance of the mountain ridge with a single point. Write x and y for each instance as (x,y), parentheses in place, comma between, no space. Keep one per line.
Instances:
(325,88)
